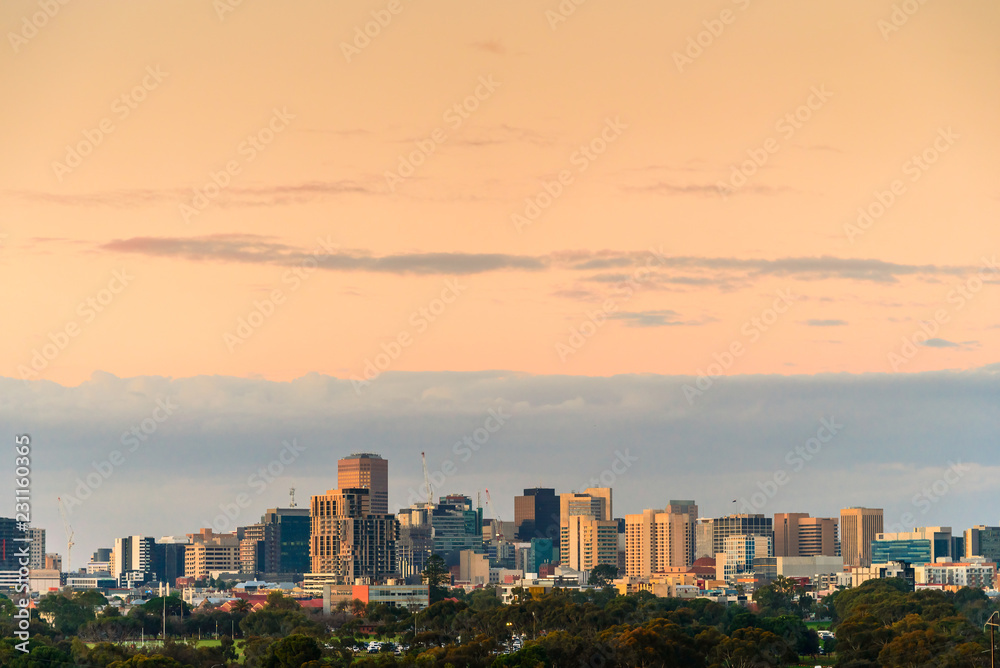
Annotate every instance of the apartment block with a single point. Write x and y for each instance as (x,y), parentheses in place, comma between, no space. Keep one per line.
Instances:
(799,535)
(656,540)
(982,541)
(348,541)
(209,552)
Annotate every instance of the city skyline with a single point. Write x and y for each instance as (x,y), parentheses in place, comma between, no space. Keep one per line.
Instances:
(618,246)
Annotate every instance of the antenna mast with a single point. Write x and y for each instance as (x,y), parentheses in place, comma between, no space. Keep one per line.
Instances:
(427,479)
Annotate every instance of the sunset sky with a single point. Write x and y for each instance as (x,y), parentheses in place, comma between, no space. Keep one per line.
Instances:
(499,188)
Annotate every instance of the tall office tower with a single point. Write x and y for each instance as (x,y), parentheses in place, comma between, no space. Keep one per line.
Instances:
(684,507)
(858,528)
(209,552)
(704,532)
(348,540)
(286,540)
(416,540)
(251,539)
(798,535)
(366,470)
(657,540)
(132,560)
(982,541)
(536,514)
(36,548)
(587,534)
(457,527)
(10,543)
(739,525)
(53,561)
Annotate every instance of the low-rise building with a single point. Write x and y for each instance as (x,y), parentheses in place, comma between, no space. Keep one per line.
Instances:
(978,573)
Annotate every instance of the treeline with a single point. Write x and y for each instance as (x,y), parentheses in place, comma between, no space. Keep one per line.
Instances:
(876,624)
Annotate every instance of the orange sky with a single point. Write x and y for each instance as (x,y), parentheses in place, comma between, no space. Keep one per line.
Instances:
(197,84)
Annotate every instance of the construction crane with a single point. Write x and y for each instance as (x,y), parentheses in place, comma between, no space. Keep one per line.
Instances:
(496,515)
(69,534)
(427,479)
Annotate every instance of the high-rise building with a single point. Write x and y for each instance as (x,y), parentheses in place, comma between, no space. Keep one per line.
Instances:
(286,540)
(366,470)
(457,527)
(416,540)
(36,547)
(704,530)
(211,552)
(11,541)
(136,560)
(858,528)
(251,539)
(923,545)
(348,541)
(738,555)
(588,536)
(536,514)
(741,524)
(982,541)
(659,539)
(798,535)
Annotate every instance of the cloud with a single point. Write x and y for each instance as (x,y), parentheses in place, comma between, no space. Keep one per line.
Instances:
(570,427)
(661,318)
(944,343)
(491,45)
(825,323)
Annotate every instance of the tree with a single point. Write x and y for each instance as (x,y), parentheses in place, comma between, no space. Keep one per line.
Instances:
(276,600)
(602,575)
(436,576)
(292,652)
(240,605)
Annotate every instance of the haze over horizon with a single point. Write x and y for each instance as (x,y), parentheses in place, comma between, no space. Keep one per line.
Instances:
(692,231)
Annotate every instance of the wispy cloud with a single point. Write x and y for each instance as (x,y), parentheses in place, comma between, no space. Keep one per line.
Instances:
(945,343)
(825,323)
(655,318)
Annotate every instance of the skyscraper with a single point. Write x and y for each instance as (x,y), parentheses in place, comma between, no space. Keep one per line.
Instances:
(588,536)
(982,541)
(36,547)
(798,535)
(858,528)
(286,540)
(366,470)
(536,514)
(741,524)
(348,541)
(657,540)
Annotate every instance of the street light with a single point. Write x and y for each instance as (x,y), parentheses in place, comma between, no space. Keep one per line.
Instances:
(993,622)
